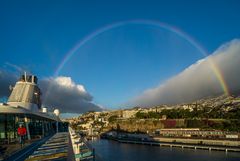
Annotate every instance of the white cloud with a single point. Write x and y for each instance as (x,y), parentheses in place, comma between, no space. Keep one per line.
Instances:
(198,80)
(65,94)
(67,82)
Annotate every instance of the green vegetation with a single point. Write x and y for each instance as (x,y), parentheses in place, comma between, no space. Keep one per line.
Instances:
(98,123)
(112,118)
(187,114)
(143,115)
(223,124)
(205,118)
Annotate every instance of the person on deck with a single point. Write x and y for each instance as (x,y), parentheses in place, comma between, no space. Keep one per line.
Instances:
(21,132)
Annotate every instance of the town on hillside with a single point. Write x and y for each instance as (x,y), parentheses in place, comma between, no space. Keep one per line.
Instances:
(212,118)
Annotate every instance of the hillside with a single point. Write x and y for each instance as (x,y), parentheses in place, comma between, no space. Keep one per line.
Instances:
(218,113)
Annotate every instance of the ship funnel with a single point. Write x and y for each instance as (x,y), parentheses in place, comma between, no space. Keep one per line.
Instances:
(26,93)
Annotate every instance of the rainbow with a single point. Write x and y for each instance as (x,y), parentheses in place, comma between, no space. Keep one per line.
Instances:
(162,25)
(219,76)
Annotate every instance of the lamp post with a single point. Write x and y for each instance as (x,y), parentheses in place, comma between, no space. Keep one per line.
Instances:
(26,120)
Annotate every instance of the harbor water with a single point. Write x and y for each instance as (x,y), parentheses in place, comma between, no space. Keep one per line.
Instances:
(108,150)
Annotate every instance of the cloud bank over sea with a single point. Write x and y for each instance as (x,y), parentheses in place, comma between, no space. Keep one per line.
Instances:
(207,77)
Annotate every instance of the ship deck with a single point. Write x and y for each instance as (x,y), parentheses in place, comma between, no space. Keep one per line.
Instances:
(56,148)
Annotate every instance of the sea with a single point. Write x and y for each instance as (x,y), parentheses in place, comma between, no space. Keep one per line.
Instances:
(108,150)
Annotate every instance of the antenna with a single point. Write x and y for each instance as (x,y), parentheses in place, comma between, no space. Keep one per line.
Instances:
(10,87)
(25,76)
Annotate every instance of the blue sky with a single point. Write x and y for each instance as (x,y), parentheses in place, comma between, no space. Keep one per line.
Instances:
(120,63)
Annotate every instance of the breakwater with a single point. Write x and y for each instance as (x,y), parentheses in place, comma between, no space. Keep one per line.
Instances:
(171,144)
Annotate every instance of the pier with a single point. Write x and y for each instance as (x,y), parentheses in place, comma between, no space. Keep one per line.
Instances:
(203,147)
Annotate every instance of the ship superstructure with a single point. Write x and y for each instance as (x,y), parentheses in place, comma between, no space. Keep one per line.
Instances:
(24,107)
(26,93)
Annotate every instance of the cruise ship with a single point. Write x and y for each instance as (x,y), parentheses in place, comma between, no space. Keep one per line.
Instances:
(48,137)
(24,107)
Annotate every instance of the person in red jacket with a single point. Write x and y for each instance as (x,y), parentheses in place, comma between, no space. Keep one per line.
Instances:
(21,132)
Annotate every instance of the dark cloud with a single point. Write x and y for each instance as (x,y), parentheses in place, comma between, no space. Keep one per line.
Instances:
(200,80)
(6,79)
(66,95)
